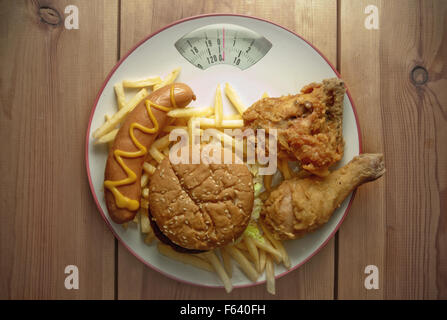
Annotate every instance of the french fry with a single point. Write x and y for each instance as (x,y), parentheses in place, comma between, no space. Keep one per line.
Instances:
(227,261)
(144,203)
(285,170)
(144,180)
(170,128)
(121,114)
(276,258)
(270,275)
(241,246)
(232,117)
(228,117)
(149,168)
(161,143)
(264,95)
(234,98)
(247,255)
(218,108)
(191,112)
(193,130)
(145,193)
(148,82)
(120,97)
(280,164)
(136,219)
(253,251)
(262,259)
(109,137)
(212,258)
(245,265)
(170,78)
(184,258)
(268,182)
(225,124)
(107,117)
(145,224)
(278,245)
(266,246)
(191,126)
(156,154)
(285,256)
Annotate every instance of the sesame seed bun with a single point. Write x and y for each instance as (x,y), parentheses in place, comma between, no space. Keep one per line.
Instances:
(201,206)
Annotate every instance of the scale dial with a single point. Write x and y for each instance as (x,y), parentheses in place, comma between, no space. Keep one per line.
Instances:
(223,44)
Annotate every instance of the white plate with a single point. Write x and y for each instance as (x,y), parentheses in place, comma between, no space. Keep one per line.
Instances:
(289,65)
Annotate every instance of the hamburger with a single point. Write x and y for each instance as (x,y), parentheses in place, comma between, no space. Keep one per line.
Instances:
(199,207)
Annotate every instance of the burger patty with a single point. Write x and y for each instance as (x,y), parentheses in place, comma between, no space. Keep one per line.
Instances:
(201,206)
(160,236)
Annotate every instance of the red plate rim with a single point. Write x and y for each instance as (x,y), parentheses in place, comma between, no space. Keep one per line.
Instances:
(96,103)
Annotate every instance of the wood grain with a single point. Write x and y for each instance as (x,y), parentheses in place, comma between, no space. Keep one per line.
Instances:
(315,21)
(48,82)
(49,78)
(398,223)
(361,239)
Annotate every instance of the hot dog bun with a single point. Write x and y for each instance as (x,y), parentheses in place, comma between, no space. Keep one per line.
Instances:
(114,172)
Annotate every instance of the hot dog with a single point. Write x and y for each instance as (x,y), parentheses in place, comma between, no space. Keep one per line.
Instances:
(122,197)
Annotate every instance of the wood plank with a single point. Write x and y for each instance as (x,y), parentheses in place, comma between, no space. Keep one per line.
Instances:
(317,22)
(48,82)
(362,236)
(398,223)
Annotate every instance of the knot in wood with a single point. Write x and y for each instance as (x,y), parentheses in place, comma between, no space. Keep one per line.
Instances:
(50,16)
(419,75)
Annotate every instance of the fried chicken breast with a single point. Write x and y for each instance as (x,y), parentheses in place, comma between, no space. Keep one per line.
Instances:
(309,124)
(299,206)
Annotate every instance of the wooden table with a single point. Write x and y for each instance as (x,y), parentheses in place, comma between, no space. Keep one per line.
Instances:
(49,78)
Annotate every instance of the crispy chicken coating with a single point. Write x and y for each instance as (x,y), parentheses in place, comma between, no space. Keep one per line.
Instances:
(299,206)
(309,124)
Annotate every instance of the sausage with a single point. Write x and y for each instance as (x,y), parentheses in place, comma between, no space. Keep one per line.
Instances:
(114,172)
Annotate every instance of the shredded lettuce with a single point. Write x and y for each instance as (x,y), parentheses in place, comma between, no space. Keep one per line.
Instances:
(253,232)
(257,188)
(257,207)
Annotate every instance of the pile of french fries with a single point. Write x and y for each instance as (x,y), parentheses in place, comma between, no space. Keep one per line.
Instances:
(253,255)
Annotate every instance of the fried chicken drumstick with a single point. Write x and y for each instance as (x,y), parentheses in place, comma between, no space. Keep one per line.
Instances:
(299,206)
(309,124)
